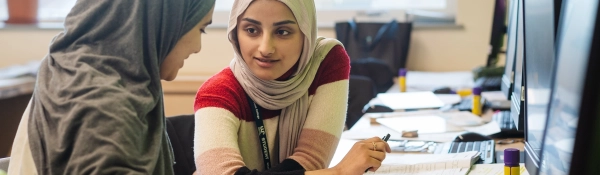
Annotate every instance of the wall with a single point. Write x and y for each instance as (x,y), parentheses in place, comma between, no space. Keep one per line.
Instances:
(431,49)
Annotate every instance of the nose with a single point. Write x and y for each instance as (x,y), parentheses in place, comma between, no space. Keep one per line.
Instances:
(267,46)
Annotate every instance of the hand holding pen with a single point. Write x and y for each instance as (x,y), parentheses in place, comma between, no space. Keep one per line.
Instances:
(385,139)
(364,155)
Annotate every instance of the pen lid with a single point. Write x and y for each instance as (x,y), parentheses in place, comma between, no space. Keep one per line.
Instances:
(511,157)
(402,72)
(477,91)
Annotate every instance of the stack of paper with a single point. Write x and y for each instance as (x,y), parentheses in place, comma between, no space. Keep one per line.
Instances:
(410,100)
(425,164)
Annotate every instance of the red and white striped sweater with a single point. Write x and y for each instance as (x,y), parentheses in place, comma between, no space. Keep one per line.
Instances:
(226,140)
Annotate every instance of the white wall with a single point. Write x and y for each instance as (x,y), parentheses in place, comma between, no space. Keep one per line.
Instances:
(431,49)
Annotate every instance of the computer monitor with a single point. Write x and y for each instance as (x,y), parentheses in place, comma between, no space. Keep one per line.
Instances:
(572,136)
(516,107)
(539,71)
(511,43)
(498,31)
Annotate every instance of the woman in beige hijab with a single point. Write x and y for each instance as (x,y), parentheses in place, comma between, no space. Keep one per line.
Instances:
(279,108)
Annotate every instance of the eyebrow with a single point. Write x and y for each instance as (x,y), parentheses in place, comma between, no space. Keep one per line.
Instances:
(274,24)
(284,22)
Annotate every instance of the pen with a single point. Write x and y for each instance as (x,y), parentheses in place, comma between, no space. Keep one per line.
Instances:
(385,139)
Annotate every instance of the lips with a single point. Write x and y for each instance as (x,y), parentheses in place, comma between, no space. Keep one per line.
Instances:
(265,62)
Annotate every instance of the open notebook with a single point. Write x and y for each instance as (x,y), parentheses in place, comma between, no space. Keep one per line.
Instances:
(425,164)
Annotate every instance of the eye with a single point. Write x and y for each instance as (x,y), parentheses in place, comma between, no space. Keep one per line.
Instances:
(283,32)
(251,30)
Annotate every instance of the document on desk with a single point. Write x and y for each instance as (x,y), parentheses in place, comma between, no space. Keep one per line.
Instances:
(493,169)
(411,100)
(425,164)
(425,124)
(487,129)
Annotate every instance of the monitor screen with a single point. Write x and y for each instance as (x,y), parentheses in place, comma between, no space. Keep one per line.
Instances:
(539,69)
(575,34)
(516,98)
(498,30)
(509,67)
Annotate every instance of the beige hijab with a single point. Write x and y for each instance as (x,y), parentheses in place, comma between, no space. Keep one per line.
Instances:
(291,95)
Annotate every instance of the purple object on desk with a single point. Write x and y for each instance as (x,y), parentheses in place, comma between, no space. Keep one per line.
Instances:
(511,157)
(476,91)
(402,72)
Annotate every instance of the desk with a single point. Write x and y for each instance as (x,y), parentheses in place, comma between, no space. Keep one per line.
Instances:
(365,129)
(16,86)
(14,96)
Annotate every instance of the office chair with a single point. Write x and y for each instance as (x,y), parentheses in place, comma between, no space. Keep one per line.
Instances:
(11,111)
(362,90)
(181,134)
(376,70)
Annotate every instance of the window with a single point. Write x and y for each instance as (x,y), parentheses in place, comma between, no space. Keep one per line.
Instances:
(3,10)
(328,11)
(360,4)
(48,10)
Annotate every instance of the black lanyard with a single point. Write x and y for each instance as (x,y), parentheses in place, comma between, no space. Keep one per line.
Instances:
(262,134)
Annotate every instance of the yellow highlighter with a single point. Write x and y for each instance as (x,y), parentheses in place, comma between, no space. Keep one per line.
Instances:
(476,108)
(464,92)
(402,79)
(511,162)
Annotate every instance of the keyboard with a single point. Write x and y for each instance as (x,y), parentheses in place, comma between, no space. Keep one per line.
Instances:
(486,148)
(507,126)
(466,104)
(489,83)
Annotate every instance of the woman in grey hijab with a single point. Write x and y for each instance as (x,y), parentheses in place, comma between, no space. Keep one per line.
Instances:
(97,107)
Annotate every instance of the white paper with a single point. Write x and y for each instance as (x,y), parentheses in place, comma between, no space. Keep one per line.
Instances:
(428,81)
(494,96)
(424,124)
(421,164)
(449,99)
(410,100)
(487,129)
(462,118)
(398,170)
(493,169)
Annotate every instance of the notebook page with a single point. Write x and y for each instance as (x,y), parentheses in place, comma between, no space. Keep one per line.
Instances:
(394,170)
(493,169)
(457,163)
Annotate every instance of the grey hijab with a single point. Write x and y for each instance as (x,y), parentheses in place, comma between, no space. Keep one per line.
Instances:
(97,107)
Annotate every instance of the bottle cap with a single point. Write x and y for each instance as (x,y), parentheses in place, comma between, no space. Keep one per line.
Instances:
(476,91)
(511,157)
(402,72)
